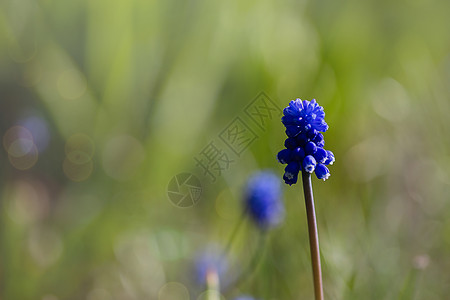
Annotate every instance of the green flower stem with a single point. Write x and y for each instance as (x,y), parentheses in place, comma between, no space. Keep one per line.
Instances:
(254,263)
(234,233)
(313,236)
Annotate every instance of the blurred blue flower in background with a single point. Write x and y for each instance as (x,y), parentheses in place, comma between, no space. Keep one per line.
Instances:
(263,199)
(210,261)
(304,120)
(244,298)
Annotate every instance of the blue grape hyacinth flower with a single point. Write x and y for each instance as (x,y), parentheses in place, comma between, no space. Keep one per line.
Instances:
(211,260)
(263,199)
(305,121)
(244,298)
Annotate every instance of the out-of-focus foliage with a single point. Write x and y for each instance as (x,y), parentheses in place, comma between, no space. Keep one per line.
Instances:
(103,102)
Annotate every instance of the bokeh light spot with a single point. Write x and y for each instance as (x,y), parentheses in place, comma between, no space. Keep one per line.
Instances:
(77,171)
(421,262)
(79,149)
(45,246)
(19,144)
(28,202)
(20,147)
(21,54)
(122,155)
(78,157)
(390,100)
(169,245)
(26,161)
(173,291)
(368,159)
(14,133)
(80,143)
(142,271)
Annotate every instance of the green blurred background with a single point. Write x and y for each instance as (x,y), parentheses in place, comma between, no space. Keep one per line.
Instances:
(103,102)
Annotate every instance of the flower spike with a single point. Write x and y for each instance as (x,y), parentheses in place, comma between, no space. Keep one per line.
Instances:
(305,122)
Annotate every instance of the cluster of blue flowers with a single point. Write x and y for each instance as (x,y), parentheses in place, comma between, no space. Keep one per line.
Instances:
(304,122)
(263,199)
